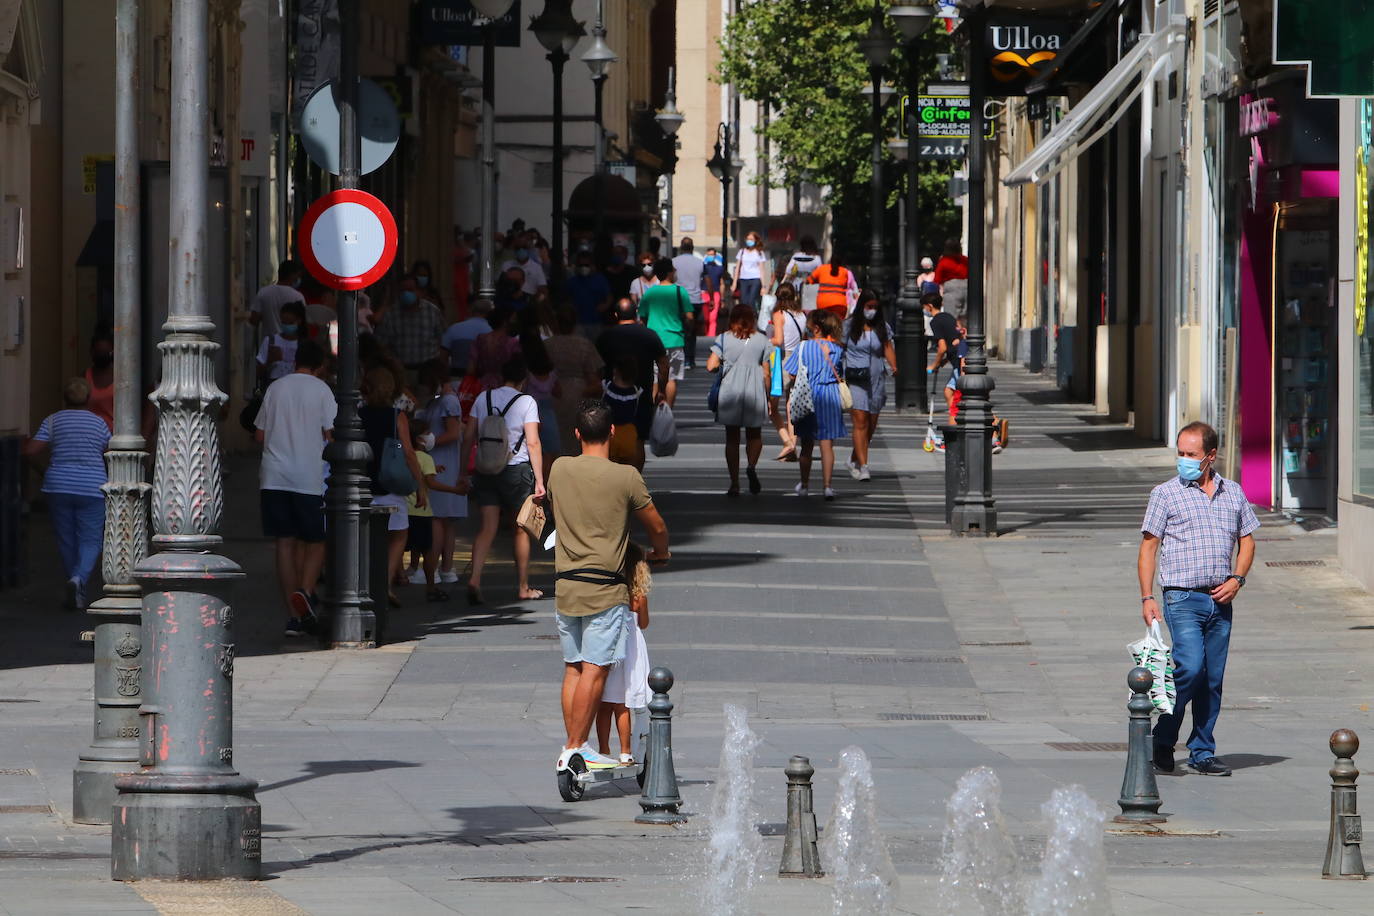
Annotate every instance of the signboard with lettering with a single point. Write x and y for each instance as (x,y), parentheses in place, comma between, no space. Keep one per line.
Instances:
(455,22)
(1020,48)
(943,118)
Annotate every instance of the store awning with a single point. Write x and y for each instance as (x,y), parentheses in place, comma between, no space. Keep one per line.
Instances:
(1099,110)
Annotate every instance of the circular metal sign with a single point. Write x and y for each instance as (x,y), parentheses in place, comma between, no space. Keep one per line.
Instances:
(379,127)
(348,239)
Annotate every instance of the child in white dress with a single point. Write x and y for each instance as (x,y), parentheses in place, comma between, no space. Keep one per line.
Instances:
(627,683)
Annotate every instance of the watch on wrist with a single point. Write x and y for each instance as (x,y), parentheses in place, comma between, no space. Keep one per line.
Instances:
(1240,579)
(1144,598)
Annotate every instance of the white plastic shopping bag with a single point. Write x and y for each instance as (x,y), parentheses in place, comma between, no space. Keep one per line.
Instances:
(663,433)
(1152,654)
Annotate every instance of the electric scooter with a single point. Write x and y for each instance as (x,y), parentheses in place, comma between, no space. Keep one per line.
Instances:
(574,778)
(934,440)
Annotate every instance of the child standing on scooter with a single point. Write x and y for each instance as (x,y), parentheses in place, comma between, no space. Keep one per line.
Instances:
(627,683)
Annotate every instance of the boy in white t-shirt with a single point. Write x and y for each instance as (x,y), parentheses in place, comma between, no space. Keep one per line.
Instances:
(522,477)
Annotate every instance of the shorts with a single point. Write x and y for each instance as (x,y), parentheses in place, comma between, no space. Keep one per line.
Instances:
(677,365)
(420,538)
(287,514)
(398,520)
(507,489)
(600,639)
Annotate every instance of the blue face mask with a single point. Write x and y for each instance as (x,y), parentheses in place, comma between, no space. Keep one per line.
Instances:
(522,254)
(748,243)
(421,281)
(408,297)
(290,328)
(1190,468)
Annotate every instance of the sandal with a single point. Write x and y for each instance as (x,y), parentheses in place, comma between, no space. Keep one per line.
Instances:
(474,596)
(436,594)
(535,595)
(787,454)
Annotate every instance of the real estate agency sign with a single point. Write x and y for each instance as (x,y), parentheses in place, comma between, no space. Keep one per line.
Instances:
(1018,49)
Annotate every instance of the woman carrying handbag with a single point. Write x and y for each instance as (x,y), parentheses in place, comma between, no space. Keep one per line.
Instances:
(819,357)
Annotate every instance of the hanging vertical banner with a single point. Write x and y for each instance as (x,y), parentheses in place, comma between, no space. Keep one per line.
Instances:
(318,46)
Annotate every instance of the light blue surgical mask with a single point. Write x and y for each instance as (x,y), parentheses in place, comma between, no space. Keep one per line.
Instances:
(290,328)
(408,297)
(748,243)
(1190,468)
(870,314)
(522,254)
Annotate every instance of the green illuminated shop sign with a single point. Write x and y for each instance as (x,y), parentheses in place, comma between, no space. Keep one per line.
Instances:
(1335,41)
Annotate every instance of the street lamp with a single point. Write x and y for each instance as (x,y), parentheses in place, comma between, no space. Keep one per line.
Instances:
(669,121)
(598,59)
(489,11)
(913,18)
(725,166)
(877,47)
(558,32)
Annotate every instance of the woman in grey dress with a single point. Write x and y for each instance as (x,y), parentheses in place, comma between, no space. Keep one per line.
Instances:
(739,354)
(869,357)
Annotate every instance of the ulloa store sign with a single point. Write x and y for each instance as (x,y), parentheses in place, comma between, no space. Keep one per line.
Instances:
(1019,49)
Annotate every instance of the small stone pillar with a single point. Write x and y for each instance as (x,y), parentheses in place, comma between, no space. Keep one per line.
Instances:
(1139,799)
(660,799)
(800,856)
(1343,858)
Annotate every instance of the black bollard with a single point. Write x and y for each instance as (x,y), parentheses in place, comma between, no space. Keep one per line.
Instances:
(659,798)
(800,856)
(1139,794)
(1343,858)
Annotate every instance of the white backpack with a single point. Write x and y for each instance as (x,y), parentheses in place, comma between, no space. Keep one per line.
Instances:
(494,448)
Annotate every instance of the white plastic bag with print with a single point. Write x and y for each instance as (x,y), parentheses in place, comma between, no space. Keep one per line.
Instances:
(663,433)
(1153,654)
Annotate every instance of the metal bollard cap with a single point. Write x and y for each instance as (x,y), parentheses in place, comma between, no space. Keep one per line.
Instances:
(1344,742)
(1140,680)
(800,767)
(660,680)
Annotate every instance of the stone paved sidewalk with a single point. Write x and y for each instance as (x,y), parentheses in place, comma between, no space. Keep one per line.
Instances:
(417,778)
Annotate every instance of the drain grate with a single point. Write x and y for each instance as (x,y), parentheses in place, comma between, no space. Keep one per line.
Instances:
(931,717)
(13,700)
(540,879)
(25,809)
(1116,747)
(14,772)
(1293,564)
(1016,642)
(543,636)
(902,659)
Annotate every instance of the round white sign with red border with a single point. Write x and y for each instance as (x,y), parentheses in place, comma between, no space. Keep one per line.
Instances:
(348,239)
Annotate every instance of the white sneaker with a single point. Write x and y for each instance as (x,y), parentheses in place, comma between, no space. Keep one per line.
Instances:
(854,470)
(863,473)
(829,494)
(448,577)
(800,490)
(596,760)
(417,577)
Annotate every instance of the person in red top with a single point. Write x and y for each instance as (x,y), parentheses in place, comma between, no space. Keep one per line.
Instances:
(952,274)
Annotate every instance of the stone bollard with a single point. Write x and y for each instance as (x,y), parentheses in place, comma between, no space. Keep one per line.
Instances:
(1343,858)
(660,799)
(800,856)
(1139,793)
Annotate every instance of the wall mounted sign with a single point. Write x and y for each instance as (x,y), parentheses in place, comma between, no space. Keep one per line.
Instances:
(455,22)
(1334,40)
(1018,49)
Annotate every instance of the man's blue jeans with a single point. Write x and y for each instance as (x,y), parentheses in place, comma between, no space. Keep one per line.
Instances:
(1201,631)
(79,524)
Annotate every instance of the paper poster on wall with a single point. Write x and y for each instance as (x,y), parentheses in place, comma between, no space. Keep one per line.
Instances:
(686,222)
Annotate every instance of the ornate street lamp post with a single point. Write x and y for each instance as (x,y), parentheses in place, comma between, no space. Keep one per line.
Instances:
(558,32)
(187,814)
(598,59)
(725,166)
(877,47)
(913,18)
(669,121)
(490,11)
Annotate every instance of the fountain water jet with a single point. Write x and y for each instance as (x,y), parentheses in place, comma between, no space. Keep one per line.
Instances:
(1073,876)
(734,851)
(852,850)
(978,864)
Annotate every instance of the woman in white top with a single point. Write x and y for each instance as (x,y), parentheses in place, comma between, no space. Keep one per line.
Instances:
(800,266)
(789,330)
(645,278)
(751,270)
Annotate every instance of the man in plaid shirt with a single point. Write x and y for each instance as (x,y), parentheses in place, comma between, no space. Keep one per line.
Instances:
(1193,526)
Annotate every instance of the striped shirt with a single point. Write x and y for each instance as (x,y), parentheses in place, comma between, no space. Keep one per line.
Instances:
(78,439)
(1197,534)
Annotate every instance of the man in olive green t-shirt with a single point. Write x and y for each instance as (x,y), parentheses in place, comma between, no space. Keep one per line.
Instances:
(593,500)
(667,310)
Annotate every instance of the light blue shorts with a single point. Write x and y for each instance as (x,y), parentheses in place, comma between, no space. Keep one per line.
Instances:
(600,639)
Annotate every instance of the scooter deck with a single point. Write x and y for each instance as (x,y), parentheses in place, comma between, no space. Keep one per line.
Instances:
(610,773)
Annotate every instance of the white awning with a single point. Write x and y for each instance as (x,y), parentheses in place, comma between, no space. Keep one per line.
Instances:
(1099,110)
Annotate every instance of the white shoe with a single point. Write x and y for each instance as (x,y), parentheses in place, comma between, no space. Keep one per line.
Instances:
(596,760)
(863,473)
(800,490)
(829,494)
(854,470)
(417,577)
(448,577)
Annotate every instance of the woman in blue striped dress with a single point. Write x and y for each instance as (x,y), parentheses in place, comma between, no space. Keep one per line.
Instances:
(822,355)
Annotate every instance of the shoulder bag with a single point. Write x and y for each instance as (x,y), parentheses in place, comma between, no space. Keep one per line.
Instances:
(713,397)
(857,375)
(392,471)
(846,397)
(800,403)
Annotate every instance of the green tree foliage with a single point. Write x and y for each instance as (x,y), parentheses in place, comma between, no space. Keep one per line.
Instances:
(803,58)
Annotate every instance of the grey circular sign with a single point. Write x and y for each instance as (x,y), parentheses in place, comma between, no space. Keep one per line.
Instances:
(379,125)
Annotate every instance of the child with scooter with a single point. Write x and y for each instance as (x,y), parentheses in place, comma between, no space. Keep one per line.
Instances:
(627,684)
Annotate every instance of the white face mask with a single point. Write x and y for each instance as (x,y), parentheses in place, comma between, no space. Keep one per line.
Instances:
(647,270)
(870,314)
(426,441)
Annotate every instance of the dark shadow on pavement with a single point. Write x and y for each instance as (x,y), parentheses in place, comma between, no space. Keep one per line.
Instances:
(1248,761)
(317,769)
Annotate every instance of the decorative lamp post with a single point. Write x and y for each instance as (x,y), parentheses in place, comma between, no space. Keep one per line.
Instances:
(877,47)
(913,18)
(669,120)
(598,59)
(725,166)
(489,11)
(558,32)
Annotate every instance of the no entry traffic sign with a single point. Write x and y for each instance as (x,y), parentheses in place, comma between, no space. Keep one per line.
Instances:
(348,239)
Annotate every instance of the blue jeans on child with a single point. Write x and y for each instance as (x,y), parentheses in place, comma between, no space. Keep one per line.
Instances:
(1201,633)
(79,524)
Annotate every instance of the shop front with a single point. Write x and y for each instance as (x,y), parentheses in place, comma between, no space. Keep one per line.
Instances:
(1287,367)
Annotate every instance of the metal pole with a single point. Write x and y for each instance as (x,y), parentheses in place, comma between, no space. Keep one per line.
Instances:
(910,324)
(659,801)
(1343,856)
(352,618)
(1139,799)
(486,281)
(603,249)
(116,617)
(801,857)
(876,272)
(557,58)
(975,510)
(187,814)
